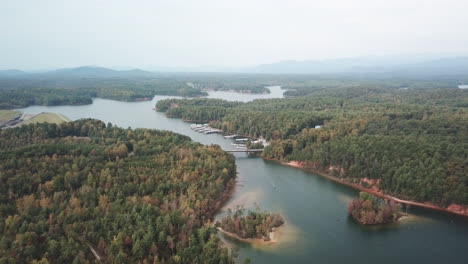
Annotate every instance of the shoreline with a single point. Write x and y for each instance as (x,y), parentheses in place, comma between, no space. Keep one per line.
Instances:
(378,193)
(227,195)
(298,165)
(249,240)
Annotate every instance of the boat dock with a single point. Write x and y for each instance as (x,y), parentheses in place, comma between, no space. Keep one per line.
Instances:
(205,129)
(245,150)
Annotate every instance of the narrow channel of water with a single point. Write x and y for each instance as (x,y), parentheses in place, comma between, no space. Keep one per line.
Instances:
(317,229)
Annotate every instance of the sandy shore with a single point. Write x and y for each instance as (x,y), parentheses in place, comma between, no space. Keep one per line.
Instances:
(249,240)
(453,208)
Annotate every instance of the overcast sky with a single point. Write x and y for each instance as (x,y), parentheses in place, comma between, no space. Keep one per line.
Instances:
(41,34)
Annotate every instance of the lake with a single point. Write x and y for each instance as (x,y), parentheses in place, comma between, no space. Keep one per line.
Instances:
(317,228)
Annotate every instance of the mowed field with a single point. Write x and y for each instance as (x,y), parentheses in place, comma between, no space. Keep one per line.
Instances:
(6,115)
(46,117)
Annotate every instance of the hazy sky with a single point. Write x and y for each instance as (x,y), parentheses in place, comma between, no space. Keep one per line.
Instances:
(37,34)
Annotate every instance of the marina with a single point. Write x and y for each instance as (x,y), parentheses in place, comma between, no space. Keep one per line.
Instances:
(205,129)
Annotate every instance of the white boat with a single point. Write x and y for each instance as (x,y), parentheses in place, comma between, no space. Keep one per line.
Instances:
(205,129)
(214,131)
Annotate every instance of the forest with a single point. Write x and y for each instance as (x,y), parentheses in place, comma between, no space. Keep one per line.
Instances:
(78,86)
(86,191)
(370,210)
(17,93)
(412,143)
(197,109)
(251,223)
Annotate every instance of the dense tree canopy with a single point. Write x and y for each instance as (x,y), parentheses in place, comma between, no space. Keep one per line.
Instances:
(250,224)
(68,88)
(198,109)
(16,93)
(78,191)
(58,89)
(370,210)
(413,142)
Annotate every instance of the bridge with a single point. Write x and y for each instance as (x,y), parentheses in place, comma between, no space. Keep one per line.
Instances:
(245,150)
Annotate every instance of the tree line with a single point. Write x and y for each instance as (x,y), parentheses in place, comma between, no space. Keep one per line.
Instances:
(61,89)
(17,93)
(58,89)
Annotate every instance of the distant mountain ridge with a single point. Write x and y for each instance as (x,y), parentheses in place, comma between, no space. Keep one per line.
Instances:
(78,72)
(457,65)
(400,65)
(95,71)
(12,72)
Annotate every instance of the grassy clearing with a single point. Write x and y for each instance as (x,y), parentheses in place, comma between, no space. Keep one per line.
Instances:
(6,115)
(47,117)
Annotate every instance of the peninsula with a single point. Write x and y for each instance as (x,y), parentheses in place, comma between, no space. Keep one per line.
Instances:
(250,225)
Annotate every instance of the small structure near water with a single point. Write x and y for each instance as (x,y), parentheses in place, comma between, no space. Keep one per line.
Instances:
(205,129)
(462,85)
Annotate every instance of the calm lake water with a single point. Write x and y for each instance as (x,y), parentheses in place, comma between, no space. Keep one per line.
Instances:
(317,228)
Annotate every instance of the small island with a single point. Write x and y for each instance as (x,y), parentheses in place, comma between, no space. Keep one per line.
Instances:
(248,225)
(371,210)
